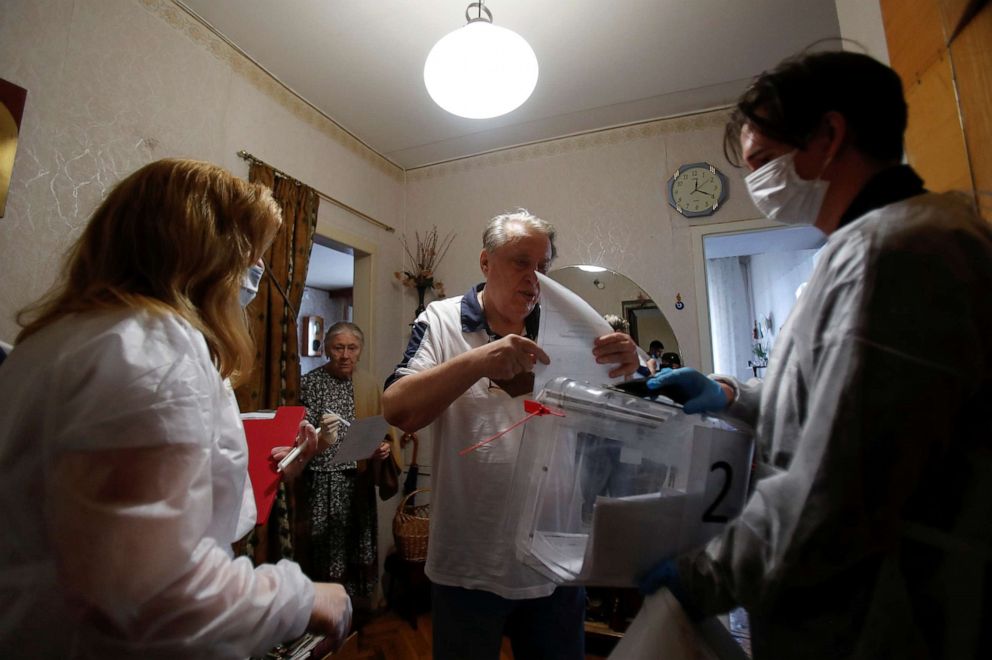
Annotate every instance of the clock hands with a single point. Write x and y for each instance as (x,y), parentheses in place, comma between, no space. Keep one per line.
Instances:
(698,189)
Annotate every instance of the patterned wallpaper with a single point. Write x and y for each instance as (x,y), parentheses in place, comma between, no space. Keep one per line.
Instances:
(605,193)
(115,84)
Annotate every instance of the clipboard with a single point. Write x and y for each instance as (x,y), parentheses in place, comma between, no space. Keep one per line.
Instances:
(264,432)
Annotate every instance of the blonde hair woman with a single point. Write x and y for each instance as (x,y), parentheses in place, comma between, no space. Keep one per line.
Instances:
(122,457)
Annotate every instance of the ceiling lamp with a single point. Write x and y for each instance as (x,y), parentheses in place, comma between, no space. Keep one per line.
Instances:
(480,70)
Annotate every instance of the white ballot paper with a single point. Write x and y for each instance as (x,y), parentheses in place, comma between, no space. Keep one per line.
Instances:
(629,535)
(259,414)
(661,629)
(364,437)
(566,333)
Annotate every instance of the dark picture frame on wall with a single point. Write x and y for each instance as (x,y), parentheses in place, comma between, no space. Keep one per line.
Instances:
(12,99)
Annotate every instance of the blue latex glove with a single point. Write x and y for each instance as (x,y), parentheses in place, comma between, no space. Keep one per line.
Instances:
(666,574)
(663,574)
(695,391)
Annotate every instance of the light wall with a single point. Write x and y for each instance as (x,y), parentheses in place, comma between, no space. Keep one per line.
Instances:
(605,194)
(115,84)
(861,23)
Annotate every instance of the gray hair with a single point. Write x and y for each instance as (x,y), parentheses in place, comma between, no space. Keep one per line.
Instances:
(341,327)
(497,234)
(618,324)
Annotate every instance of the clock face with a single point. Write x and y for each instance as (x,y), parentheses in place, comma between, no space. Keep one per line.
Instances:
(697,189)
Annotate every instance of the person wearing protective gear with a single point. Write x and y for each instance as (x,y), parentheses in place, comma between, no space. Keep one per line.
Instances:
(699,393)
(869,535)
(123,477)
(249,288)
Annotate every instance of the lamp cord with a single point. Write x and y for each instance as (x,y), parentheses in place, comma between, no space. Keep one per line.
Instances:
(480,7)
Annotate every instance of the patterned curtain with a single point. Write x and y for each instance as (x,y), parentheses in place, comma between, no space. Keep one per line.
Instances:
(275,380)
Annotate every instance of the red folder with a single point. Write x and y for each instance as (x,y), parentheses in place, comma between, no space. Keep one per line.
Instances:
(263,435)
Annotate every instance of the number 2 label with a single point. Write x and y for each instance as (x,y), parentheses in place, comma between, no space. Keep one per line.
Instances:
(708,515)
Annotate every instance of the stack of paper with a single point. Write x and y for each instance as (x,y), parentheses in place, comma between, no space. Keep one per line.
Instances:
(628,535)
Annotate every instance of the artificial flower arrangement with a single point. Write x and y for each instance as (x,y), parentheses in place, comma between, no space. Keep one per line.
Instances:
(430,250)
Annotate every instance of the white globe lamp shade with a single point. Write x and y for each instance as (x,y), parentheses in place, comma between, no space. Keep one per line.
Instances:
(480,71)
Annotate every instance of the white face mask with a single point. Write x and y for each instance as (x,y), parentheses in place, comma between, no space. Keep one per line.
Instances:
(782,195)
(249,286)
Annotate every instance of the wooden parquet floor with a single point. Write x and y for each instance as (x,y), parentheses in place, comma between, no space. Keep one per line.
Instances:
(388,637)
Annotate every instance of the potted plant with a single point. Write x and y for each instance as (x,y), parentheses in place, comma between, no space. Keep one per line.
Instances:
(428,253)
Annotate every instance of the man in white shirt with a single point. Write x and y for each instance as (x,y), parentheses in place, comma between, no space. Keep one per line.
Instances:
(466,370)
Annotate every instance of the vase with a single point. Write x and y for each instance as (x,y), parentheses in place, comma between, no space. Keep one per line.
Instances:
(421,291)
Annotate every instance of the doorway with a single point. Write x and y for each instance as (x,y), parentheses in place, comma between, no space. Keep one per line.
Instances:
(328,297)
(752,274)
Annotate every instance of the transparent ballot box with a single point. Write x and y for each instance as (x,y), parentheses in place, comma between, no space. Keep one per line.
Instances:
(620,482)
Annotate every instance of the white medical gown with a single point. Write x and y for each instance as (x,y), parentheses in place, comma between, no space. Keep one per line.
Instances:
(123,483)
(873,539)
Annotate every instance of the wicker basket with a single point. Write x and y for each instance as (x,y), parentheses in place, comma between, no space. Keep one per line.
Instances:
(410,528)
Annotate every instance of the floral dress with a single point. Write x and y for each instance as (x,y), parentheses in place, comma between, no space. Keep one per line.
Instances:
(342,499)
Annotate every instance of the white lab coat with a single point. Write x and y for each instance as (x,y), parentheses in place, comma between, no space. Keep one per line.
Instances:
(123,483)
(873,538)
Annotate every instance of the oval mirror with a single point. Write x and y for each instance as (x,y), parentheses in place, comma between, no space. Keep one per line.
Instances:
(609,292)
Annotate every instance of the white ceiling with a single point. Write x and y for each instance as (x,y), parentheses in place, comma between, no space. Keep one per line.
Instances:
(602,63)
(330,269)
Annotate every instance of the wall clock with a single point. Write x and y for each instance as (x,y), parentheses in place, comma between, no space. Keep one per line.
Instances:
(697,189)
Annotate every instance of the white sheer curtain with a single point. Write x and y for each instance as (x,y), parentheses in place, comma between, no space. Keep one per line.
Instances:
(731,315)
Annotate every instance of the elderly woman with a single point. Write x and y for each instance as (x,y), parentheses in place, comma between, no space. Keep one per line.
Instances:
(342,495)
(123,477)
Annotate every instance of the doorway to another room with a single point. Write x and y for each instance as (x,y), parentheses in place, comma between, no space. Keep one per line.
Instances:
(753,279)
(328,297)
